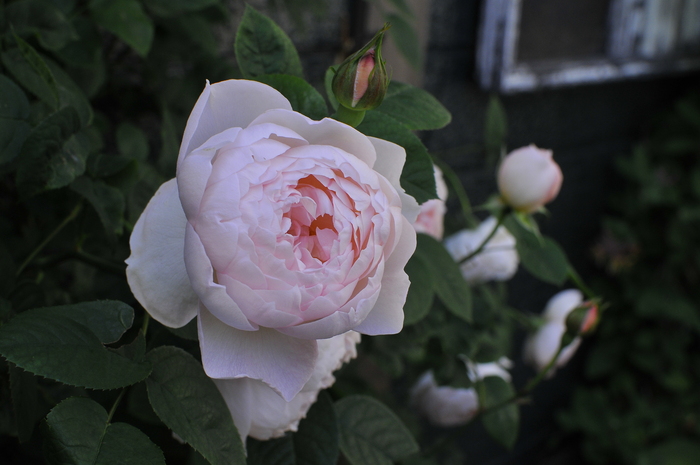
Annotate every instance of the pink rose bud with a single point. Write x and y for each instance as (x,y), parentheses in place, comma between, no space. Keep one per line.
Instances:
(583,319)
(528,178)
(361,81)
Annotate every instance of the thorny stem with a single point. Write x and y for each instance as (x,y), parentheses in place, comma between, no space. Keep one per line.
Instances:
(477,251)
(71,216)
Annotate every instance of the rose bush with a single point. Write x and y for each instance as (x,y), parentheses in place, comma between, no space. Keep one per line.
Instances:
(277,231)
(432,213)
(498,260)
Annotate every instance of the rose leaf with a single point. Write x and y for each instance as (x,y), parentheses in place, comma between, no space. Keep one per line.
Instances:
(450,285)
(263,48)
(107,201)
(279,451)
(66,344)
(414,107)
(188,402)
(127,20)
(370,433)
(316,442)
(303,97)
(501,423)
(421,293)
(417,177)
(14,113)
(79,432)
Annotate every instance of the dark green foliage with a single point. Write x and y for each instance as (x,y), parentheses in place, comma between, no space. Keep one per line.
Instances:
(641,406)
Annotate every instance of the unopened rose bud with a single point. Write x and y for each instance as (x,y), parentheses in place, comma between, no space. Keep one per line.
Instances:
(361,81)
(528,178)
(583,319)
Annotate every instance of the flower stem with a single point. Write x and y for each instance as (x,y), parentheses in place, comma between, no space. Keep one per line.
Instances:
(477,251)
(115,405)
(576,279)
(71,216)
(458,188)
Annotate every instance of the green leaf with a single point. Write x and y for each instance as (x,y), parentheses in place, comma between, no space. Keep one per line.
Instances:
(14,112)
(450,286)
(666,304)
(495,129)
(189,403)
(406,40)
(166,8)
(70,94)
(541,256)
(674,451)
(303,97)
(107,201)
(199,30)
(79,433)
(43,19)
(414,107)
(52,155)
(418,176)
(63,343)
(23,388)
(421,293)
(316,441)
(402,7)
(170,143)
(279,451)
(263,48)
(370,433)
(502,423)
(31,71)
(127,20)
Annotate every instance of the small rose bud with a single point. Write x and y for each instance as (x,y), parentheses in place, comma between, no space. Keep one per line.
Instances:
(528,178)
(361,81)
(583,319)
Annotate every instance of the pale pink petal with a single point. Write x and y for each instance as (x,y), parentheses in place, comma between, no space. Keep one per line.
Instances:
(238,394)
(156,268)
(325,132)
(227,104)
(387,315)
(561,304)
(284,363)
(212,294)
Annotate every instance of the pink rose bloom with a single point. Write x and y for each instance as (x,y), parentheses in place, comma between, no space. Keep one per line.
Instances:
(432,213)
(277,231)
(528,178)
(541,346)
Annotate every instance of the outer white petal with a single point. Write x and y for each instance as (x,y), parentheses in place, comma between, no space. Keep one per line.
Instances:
(390,162)
(260,412)
(443,405)
(284,363)
(156,268)
(561,304)
(325,132)
(227,104)
(387,315)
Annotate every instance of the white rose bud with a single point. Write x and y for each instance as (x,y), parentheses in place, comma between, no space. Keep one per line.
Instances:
(432,213)
(447,406)
(541,346)
(498,260)
(528,178)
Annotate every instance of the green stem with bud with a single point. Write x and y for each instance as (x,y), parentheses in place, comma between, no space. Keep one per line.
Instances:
(477,251)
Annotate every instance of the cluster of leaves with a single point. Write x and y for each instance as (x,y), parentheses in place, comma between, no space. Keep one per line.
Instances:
(642,405)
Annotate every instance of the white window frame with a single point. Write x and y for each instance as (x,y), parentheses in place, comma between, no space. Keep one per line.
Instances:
(645,37)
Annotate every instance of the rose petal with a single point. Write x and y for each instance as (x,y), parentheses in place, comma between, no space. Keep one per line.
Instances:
(238,394)
(212,294)
(387,315)
(284,363)
(156,267)
(561,304)
(325,132)
(224,105)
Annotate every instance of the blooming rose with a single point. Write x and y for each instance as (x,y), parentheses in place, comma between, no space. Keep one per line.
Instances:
(528,178)
(278,231)
(260,412)
(497,261)
(432,213)
(541,346)
(448,406)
